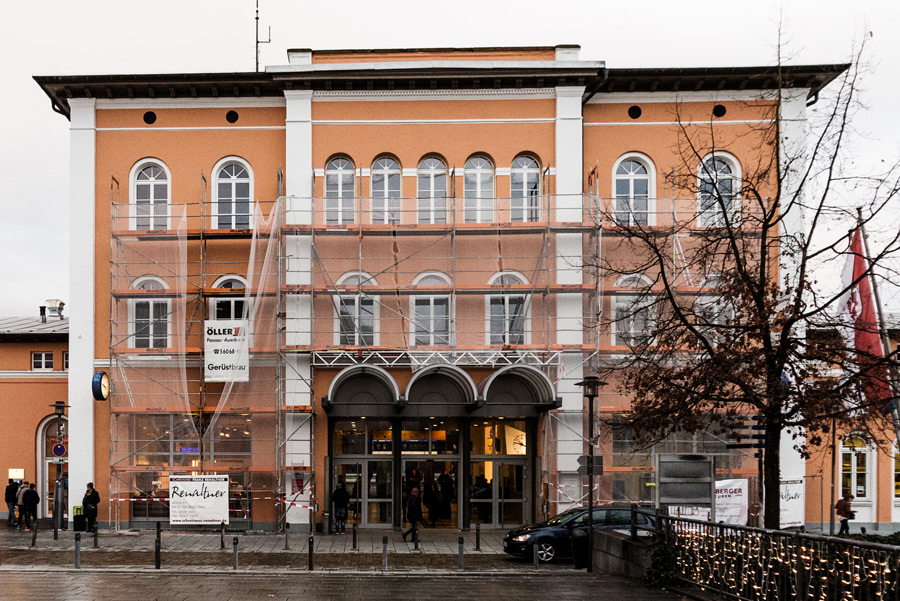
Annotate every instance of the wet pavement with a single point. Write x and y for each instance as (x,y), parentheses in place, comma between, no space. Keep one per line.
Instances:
(103,586)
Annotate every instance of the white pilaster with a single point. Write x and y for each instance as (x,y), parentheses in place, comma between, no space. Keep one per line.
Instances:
(82,169)
(569,151)
(298,153)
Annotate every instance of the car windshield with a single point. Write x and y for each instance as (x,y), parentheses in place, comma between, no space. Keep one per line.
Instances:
(563,517)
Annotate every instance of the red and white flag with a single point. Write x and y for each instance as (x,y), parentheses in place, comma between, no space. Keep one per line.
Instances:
(859,326)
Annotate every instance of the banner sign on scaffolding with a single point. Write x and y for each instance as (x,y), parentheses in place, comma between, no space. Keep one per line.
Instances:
(793,504)
(226,356)
(198,499)
(732,504)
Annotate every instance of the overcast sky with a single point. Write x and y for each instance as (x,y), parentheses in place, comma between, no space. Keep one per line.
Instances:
(53,37)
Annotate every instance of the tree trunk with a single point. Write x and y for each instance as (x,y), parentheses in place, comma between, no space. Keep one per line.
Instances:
(772,475)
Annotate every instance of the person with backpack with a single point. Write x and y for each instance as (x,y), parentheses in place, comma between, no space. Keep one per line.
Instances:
(9,497)
(20,503)
(30,501)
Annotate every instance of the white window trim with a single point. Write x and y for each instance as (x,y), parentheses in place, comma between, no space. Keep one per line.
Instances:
(132,191)
(43,361)
(430,173)
(131,309)
(651,185)
(376,309)
(526,197)
(624,300)
(214,210)
(480,200)
(487,307)
(451,308)
(384,198)
(218,284)
(342,217)
(736,177)
(43,465)
(871,468)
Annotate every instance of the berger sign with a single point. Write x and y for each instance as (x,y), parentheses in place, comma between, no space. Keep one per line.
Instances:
(226,353)
(198,499)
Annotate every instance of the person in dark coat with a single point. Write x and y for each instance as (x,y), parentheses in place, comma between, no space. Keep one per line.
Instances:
(341,499)
(9,496)
(413,513)
(30,500)
(89,502)
(448,493)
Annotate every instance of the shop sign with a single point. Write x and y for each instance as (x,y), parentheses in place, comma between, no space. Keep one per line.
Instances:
(732,504)
(198,499)
(793,504)
(226,351)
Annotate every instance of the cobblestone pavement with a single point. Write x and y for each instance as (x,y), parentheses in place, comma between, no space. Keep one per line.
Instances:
(110,586)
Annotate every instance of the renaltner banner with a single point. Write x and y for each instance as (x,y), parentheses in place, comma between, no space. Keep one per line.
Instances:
(198,499)
(226,352)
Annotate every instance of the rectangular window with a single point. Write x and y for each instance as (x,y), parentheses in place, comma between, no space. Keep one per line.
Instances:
(432,320)
(42,361)
(66,361)
(151,324)
(356,316)
(507,319)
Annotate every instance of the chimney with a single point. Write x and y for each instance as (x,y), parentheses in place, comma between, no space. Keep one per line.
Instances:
(43,310)
(56,307)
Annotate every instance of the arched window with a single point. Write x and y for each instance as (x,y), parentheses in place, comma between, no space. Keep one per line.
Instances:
(149,323)
(432,190)
(525,189)
(479,190)
(340,191)
(356,313)
(507,313)
(150,189)
(51,431)
(856,468)
(431,313)
(229,307)
(633,182)
(633,314)
(233,190)
(386,193)
(719,190)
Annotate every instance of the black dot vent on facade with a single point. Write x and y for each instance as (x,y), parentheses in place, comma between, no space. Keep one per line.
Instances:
(232,116)
(719,110)
(634,112)
(149,117)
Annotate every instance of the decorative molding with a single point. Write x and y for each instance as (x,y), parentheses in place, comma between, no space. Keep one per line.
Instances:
(150,129)
(431,121)
(48,374)
(411,95)
(691,96)
(669,123)
(193,103)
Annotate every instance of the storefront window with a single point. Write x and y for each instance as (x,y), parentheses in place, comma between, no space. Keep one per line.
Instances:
(361,436)
(432,436)
(498,437)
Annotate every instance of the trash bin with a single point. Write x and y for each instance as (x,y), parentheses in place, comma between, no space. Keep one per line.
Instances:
(79,522)
(580,550)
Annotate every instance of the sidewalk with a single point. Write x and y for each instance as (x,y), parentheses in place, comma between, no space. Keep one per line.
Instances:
(438,550)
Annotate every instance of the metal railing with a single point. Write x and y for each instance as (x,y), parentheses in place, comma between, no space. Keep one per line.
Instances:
(754,564)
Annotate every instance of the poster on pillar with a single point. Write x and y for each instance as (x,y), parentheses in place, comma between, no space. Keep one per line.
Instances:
(226,351)
(793,504)
(198,499)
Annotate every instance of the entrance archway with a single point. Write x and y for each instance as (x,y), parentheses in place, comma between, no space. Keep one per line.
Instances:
(47,462)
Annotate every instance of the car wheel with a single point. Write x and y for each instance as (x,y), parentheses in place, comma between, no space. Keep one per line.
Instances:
(546,551)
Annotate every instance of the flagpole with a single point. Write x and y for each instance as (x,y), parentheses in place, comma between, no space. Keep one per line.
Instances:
(882,329)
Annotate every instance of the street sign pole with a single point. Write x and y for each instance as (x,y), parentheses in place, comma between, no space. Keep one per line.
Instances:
(590,384)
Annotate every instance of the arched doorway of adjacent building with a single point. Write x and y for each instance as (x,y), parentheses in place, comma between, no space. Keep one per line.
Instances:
(51,432)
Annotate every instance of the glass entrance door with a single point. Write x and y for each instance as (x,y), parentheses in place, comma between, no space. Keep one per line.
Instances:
(498,492)
(437,482)
(369,484)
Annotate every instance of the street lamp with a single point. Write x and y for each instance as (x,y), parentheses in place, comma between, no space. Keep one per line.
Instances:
(590,385)
(58,451)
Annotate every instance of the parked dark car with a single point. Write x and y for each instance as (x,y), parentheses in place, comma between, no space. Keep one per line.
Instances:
(554,537)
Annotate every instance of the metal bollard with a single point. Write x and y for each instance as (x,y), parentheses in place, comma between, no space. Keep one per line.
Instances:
(534,554)
(460,552)
(77,550)
(96,542)
(416,539)
(384,553)
(158,546)
(34,536)
(234,546)
(354,536)
(478,537)
(312,542)
(222,535)
(287,531)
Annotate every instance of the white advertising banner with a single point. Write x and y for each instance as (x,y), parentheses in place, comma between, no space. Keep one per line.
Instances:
(793,503)
(732,504)
(198,499)
(226,351)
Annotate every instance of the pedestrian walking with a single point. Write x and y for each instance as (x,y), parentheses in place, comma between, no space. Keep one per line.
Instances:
(20,503)
(846,513)
(413,513)
(341,499)
(9,496)
(89,502)
(30,500)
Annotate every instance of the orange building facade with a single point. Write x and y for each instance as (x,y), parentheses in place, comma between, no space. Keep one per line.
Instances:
(407,237)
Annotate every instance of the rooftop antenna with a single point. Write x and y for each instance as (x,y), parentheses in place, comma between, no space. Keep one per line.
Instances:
(259,41)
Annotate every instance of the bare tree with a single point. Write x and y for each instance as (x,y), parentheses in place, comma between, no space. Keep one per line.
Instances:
(721,308)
